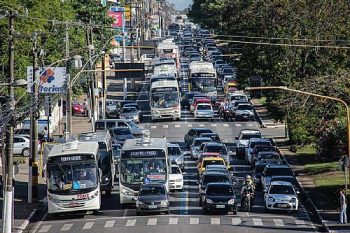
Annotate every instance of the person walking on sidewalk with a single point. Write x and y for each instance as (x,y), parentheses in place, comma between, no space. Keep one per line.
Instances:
(342,199)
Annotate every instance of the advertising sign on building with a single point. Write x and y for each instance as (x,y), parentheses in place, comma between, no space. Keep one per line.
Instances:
(127,13)
(52,80)
(117,17)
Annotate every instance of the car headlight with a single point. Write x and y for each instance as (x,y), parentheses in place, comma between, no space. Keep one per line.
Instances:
(136,117)
(241,145)
(178,180)
(156,112)
(293,200)
(164,202)
(126,192)
(271,199)
(139,203)
(231,202)
(209,201)
(106,178)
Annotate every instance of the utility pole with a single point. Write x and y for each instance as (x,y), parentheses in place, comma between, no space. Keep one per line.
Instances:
(104,81)
(69,89)
(8,195)
(89,40)
(33,165)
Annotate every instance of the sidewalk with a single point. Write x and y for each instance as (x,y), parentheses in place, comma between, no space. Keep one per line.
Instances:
(328,217)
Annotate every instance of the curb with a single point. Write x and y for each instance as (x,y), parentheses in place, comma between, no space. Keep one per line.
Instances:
(26,222)
(257,116)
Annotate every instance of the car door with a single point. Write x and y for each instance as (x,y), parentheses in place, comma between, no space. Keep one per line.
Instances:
(18,145)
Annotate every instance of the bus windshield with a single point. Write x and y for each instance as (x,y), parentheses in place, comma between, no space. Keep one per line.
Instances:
(72,177)
(203,83)
(165,97)
(138,171)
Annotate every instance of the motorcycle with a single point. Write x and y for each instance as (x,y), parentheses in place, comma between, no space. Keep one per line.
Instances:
(246,203)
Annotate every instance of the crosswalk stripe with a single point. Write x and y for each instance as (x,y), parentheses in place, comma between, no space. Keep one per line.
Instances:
(201,125)
(152,222)
(250,125)
(213,125)
(88,225)
(194,221)
(300,223)
(278,222)
(226,125)
(67,227)
(189,125)
(238,125)
(131,223)
(165,126)
(45,228)
(153,126)
(257,221)
(236,221)
(173,221)
(109,224)
(177,126)
(215,221)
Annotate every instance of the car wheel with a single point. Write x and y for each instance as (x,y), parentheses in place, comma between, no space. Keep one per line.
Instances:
(25,152)
(234,212)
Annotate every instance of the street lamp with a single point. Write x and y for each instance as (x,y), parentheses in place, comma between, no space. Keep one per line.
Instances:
(284,88)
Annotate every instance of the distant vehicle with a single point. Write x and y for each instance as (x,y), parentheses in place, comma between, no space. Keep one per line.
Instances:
(281,196)
(199,101)
(176,180)
(203,78)
(111,109)
(130,113)
(197,142)
(274,170)
(251,144)
(215,147)
(207,155)
(257,173)
(204,111)
(265,154)
(244,112)
(242,140)
(78,109)
(152,198)
(187,99)
(136,105)
(82,186)
(176,155)
(214,136)
(106,124)
(217,168)
(194,133)
(219,197)
(120,134)
(21,145)
(210,161)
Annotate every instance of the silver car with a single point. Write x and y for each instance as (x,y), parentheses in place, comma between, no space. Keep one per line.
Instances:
(21,145)
(244,112)
(130,113)
(204,111)
(111,108)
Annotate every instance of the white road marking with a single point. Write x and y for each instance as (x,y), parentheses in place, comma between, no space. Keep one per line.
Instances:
(153,126)
(45,228)
(66,227)
(201,125)
(189,125)
(236,221)
(250,125)
(177,126)
(226,125)
(238,125)
(165,126)
(278,222)
(215,221)
(300,223)
(173,221)
(194,221)
(152,222)
(131,223)
(125,213)
(88,225)
(257,221)
(109,224)
(213,125)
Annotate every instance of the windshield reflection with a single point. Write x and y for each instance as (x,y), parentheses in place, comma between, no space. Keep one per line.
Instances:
(162,99)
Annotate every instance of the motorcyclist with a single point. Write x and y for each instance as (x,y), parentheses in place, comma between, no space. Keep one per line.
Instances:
(248,187)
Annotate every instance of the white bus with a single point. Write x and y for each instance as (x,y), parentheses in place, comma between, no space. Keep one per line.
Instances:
(165,100)
(203,78)
(142,161)
(167,48)
(73,178)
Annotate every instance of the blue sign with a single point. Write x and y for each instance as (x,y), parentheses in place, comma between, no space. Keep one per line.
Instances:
(118,38)
(117,9)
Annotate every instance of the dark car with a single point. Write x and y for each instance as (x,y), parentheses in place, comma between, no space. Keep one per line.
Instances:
(261,148)
(120,134)
(211,177)
(274,170)
(194,133)
(215,147)
(257,173)
(187,99)
(152,198)
(219,197)
(214,136)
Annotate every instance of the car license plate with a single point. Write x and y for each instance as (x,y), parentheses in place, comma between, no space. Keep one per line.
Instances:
(152,207)
(282,205)
(220,206)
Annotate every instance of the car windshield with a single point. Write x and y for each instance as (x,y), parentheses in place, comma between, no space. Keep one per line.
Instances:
(121,131)
(212,179)
(285,179)
(211,162)
(260,143)
(281,189)
(259,168)
(129,110)
(279,172)
(244,107)
(132,105)
(203,107)
(152,190)
(72,176)
(218,149)
(174,150)
(199,142)
(220,190)
(200,131)
(165,97)
(268,156)
(249,136)
(265,149)
(138,171)
(239,97)
(175,170)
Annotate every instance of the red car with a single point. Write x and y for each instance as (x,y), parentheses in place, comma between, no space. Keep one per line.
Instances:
(77,109)
(197,101)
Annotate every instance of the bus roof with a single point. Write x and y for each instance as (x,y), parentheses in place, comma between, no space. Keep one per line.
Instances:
(75,147)
(165,83)
(97,136)
(145,143)
(200,66)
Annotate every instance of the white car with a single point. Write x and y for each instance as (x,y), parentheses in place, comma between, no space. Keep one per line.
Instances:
(281,195)
(21,145)
(204,111)
(176,180)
